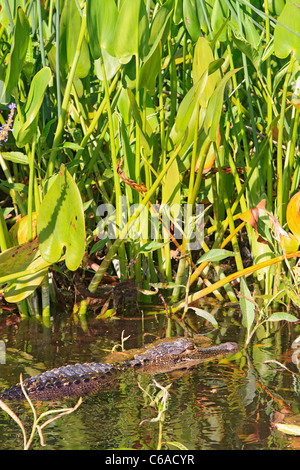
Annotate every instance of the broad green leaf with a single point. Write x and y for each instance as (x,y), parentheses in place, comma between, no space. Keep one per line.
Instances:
(159,24)
(204,314)
(152,63)
(151,246)
(18,51)
(171,194)
(250,51)
(61,222)
(186,109)
(146,138)
(276,7)
(16,157)
(282,316)
(25,286)
(19,231)
(101,17)
(70,25)
(99,245)
(203,57)
(25,133)
(132,31)
(219,14)
(252,35)
(178,9)
(111,65)
(247,306)
(19,260)
(269,50)
(13,5)
(216,254)
(285,40)
(191,19)
(214,108)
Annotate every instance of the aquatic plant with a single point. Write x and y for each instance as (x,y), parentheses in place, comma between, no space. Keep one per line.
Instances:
(164,123)
(159,401)
(36,426)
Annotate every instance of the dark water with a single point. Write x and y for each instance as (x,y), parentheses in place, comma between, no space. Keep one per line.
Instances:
(231,405)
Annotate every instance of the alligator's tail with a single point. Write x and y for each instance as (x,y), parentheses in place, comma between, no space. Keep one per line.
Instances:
(67,381)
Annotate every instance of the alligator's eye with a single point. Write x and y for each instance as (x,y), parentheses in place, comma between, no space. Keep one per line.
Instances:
(191,347)
(86,380)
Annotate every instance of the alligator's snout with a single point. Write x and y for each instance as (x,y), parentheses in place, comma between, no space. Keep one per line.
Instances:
(229,346)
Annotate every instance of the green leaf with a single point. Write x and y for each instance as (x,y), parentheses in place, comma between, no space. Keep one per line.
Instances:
(25,133)
(171,193)
(247,306)
(16,157)
(217,254)
(276,7)
(60,222)
(218,18)
(132,31)
(111,65)
(21,259)
(101,17)
(152,63)
(99,245)
(285,40)
(186,109)
(204,314)
(151,246)
(191,18)
(25,286)
(203,58)
(70,26)
(159,25)
(17,258)
(250,51)
(146,138)
(18,52)
(214,108)
(282,316)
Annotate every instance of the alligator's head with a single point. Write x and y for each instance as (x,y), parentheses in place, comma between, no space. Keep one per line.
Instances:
(181,353)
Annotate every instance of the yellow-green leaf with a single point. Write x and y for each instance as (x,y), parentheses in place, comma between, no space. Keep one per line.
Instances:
(293,215)
(60,223)
(285,39)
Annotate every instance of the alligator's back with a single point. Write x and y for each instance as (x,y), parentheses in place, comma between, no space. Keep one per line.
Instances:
(82,379)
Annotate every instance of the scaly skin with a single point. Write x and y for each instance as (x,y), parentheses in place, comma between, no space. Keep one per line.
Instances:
(82,379)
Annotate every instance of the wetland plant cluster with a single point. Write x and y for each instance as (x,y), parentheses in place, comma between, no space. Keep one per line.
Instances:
(122,118)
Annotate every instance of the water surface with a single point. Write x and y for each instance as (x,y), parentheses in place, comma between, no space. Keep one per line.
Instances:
(229,405)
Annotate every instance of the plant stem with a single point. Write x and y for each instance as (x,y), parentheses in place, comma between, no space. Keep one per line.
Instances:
(245,272)
(114,248)
(280,183)
(65,103)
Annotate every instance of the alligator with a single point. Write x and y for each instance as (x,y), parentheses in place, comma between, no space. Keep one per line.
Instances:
(83,379)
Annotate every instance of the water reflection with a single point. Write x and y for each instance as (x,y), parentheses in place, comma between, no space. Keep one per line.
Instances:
(231,405)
